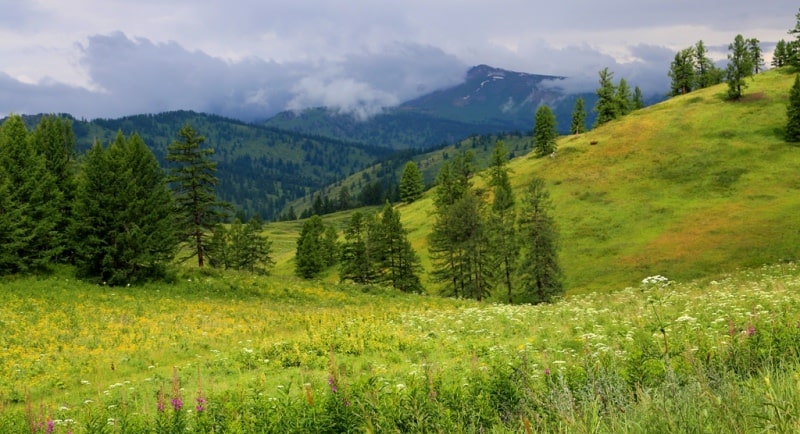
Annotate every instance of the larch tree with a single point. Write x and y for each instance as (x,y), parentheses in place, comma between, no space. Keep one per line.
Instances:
(682,72)
(193,179)
(740,66)
(545,131)
(624,97)
(756,54)
(705,73)
(792,133)
(357,260)
(578,124)
(397,261)
(540,270)
(502,233)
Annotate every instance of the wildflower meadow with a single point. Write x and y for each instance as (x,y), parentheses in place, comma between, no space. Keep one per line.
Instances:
(236,353)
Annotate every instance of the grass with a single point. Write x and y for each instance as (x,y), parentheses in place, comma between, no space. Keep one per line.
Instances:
(693,185)
(263,353)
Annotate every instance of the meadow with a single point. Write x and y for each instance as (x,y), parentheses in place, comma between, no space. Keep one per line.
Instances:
(228,352)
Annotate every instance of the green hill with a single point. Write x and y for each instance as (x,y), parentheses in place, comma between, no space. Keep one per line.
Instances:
(692,186)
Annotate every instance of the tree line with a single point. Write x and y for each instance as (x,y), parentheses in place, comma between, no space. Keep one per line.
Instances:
(113,213)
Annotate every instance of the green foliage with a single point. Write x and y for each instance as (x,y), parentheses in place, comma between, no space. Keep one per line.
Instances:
(637,102)
(792,133)
(193,179)
(706,73)
(411,183)
(357,261)
(398,264)
(29,208)
(578,123)
(316,248)
(607,107)
(501,225)
(540,269)
(545,131)
(241,247)
(682,72)
(124,227)
(740,66)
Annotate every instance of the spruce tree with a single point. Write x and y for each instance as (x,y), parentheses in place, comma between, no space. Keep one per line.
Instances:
(30,206)
(411,183)
(54,139)
(124,224)
(398,261)
(780,57)
(578,124)
(540,269)
(193,179)
(793,113)
(606,106)
(756,55)
(624,97)
(545,131)
(357,261)
(310,256)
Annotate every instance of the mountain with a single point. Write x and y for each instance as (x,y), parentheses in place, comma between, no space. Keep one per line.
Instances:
(489,101)
(260,168)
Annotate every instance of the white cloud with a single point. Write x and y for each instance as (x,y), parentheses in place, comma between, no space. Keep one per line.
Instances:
(251,59)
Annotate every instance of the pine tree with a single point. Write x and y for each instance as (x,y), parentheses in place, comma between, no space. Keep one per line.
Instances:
(29,208)
(740,66)
(793,113)
(540,270)
(545,132)
(606,106)
(124,223)
(578,125)
(411,183)
(193,179)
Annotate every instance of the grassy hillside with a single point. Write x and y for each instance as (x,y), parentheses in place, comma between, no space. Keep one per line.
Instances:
(694,185)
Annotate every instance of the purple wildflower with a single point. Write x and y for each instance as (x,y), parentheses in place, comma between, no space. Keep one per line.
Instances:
(751,330)
(51,426)
(201,404)
(546,371)
(177,403)
(332,383)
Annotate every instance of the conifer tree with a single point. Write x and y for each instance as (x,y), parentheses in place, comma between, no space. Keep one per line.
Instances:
(124,223)
(411,183)
(682,72)
(29,237)
(780,57)
(54,139)
(638,100)
(398,261)
(311,257)
(501,223)
(606,106)
(540,269)
(545,131)
(623,97)
(740,66)
(793,113)
(357,261)
(578,124)
(193,179)
(756,55)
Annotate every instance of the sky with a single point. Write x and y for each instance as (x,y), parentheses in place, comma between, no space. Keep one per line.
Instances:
(252,59)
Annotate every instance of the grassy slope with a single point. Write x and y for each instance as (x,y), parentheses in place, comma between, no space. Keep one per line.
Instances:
(693,186)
